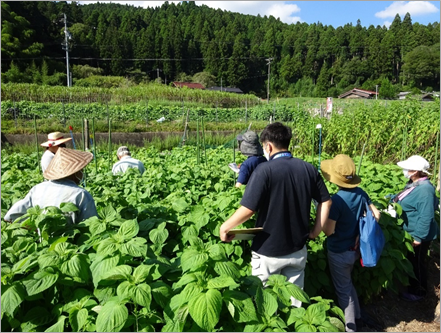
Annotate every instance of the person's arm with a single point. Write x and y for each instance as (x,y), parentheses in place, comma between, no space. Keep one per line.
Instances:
(323,209)
(375,211)
(240,216)
(19,208)
(329,227)
(426,212)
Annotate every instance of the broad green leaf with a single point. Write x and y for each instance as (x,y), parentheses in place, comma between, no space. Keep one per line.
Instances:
(255,328)
(77,319)
(295,314)
(217,252)
(327,327)
(205,309)
(143,295)
(227,268)
(24,264)
(108,246)
(37,316)
(158,236)
(111,317)
(129,229)
(100,265)
(315,314)
(125,290)
(97,227)
(59,240)
(67,207)
(58,326)
(192,260)
(297,293)
(189,292)
(161,293)
(12,296)
(77,266)
(335,310)
(177,323)
(48,260)
(221,282)
(141,272)
(121,272)
(180,205)
(337,323)
(135,247)
(240,306)
(108,213)
(189,232)
(301,326)
(269,303)
(40,281)
(186,279)
(387,265)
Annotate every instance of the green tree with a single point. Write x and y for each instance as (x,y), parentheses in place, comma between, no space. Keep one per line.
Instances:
(422,66)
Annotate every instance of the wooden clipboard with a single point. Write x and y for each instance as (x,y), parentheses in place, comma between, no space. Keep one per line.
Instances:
(244,234)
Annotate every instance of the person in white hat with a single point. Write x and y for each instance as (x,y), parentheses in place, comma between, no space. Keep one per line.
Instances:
(342,229)
(126,161)
(54,141)
(419,202)
(64,174)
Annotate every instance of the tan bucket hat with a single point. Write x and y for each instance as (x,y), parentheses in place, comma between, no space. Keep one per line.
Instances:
(66,162)
(55,139)
(340,171)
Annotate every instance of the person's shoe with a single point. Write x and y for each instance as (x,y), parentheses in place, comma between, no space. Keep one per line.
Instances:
(410,297)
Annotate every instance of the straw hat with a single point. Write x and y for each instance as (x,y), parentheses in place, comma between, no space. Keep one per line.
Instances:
(340,171)
(416,163)
(66,162)
(250,144)
(55,139)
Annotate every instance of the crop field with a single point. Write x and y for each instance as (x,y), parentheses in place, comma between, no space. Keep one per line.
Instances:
(153,261)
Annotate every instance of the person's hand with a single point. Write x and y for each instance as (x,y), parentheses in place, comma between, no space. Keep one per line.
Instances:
(357,242)
(223,234)
(416,243)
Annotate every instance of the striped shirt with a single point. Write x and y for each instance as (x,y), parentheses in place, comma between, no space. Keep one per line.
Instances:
(127,162)
(53,193)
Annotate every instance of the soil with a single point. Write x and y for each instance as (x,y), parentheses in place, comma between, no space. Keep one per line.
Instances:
(392,314)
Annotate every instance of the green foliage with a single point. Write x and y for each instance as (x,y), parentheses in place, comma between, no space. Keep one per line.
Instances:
(98,81)
(153,261)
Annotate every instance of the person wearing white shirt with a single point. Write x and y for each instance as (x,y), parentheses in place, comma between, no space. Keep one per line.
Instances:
(126,161)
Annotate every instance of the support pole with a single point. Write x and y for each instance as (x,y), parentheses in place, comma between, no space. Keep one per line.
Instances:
(203,140)
(36,143)
(82,134)
(110,145)
(197,140)
(94,146)
(86,134)
(435,180)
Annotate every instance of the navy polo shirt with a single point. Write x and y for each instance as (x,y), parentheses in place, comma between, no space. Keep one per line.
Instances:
(347,207)
(247,168)
(280,191)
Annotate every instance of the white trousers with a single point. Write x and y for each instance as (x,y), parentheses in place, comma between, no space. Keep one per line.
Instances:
(291,265)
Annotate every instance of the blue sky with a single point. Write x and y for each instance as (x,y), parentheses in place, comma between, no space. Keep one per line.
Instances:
(335,13)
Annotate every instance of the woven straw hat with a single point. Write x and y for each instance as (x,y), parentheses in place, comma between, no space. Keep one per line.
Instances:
(340,171)
(55,139)
(66,162)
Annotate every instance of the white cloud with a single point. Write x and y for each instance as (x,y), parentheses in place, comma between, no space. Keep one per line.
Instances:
(414,8)
(387,24)
(278,9)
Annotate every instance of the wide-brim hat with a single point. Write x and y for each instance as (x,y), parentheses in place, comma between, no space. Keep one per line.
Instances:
(340,171)
(55,139)
(250,145)
(416,163)
(66,162)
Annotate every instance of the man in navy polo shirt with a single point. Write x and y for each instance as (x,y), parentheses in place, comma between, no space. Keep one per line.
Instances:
(280,191)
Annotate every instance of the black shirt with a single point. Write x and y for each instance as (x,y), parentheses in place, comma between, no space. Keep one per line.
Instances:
(280,191)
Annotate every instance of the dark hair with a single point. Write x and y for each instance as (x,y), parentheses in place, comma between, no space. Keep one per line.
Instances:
(278,134)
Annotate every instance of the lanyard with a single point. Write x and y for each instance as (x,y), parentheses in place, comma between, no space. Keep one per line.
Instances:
(287,154)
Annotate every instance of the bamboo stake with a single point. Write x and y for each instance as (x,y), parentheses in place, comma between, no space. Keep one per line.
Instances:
(203,140)
(36,144)
(94,146)
(197,140)
(82,133)
(436,159)
(110,144)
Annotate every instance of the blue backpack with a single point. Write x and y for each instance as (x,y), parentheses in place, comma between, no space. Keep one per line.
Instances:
(371,239)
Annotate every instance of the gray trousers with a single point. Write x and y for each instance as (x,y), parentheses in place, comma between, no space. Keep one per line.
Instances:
(340,265)
(291,265)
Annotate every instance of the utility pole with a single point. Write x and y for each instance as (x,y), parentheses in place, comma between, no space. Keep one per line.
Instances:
(67,36)
(157,70)
(269,71)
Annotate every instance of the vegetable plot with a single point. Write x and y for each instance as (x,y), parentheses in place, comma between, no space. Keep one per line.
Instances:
(153,261)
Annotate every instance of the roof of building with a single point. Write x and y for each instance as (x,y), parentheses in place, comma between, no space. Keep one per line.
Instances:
(235,90)
(358,92)
(190,85)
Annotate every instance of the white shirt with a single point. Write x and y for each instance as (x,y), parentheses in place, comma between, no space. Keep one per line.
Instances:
(46,159)
(53,193)
(127,162)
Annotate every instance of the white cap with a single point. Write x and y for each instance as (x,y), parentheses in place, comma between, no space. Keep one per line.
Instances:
(416,163)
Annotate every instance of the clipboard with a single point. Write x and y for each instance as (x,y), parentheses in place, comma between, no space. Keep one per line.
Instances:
(244,234)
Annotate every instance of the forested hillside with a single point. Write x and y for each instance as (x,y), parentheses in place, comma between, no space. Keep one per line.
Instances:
(175,42)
